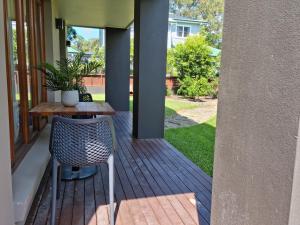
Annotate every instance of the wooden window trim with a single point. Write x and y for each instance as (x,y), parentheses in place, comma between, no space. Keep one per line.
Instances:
(22,70)
(19,151)
(9,84)
(31,15)
(43,45)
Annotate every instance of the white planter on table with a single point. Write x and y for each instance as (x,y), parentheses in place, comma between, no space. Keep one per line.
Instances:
(69,98)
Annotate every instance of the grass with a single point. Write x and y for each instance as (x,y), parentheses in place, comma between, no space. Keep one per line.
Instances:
(196,143)
(174,105)
(171,105)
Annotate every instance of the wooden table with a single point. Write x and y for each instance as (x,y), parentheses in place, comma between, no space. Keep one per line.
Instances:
(82,108)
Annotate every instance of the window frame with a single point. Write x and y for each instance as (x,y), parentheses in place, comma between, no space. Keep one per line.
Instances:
(183,26)
(34,8)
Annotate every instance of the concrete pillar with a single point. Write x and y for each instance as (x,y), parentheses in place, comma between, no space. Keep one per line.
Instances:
(6,199)
(150,42)
(258,114)
(117,68)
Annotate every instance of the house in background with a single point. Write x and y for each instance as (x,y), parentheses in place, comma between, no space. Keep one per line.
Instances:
(72,52)
(181,27)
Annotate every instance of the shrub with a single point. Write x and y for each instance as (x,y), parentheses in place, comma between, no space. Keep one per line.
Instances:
(184,85)
(169,92)
(193,58)
(170,63)
(215,87)
(196,87)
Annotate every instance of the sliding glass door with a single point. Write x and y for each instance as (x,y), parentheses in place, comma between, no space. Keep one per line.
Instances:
(24,51)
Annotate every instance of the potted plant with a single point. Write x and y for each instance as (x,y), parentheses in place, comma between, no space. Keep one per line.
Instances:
(67,77)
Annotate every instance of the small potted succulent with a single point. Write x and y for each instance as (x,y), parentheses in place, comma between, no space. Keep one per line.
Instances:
(67,77)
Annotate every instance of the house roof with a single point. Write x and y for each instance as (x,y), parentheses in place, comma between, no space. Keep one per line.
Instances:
(177,18)
(72,50)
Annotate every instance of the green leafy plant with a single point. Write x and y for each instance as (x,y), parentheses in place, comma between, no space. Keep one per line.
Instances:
(193,58)
(68,74)
(215,87)
(196,87)
(169,91)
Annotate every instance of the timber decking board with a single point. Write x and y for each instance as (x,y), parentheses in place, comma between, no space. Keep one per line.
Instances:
(154,184)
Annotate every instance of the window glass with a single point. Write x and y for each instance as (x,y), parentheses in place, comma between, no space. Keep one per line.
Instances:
(179,31)
(15,83)
(39,48)
(28,63)
(186,31)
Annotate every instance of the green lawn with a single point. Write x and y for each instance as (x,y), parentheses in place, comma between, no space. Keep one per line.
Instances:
(196,143)
(171,106)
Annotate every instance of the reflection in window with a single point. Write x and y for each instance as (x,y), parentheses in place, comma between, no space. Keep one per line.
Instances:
(179,31)
(183,31)
(186,31)
(15,83)
(28,63)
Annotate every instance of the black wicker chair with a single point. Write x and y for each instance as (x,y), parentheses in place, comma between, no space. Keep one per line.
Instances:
(85,97)
(81,143)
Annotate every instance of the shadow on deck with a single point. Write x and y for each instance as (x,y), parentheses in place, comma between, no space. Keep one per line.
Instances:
(155,184)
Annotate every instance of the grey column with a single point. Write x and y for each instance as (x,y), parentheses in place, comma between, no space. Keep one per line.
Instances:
(117,68)
(150,41)
(62,42)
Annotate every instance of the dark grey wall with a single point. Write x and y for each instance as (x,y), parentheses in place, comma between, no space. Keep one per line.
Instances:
(62,43)
(150,41)
(117,68)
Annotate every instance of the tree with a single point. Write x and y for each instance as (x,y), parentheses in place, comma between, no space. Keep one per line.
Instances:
(131,55)
(71,34)
(208,10)
(92,45)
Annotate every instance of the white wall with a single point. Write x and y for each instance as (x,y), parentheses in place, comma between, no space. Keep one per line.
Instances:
(51,33)
(6,208)
(51,36)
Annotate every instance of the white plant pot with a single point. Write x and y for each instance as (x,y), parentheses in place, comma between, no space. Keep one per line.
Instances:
(54,96)
(69,98)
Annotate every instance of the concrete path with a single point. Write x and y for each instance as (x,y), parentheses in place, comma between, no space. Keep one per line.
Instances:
(185,118)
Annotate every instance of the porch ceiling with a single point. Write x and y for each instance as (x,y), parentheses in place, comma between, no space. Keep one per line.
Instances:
(96,13)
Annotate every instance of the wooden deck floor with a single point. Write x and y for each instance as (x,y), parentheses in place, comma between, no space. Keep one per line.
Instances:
(155,184)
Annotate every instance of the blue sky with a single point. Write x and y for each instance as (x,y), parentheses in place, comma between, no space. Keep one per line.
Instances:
(87,33)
